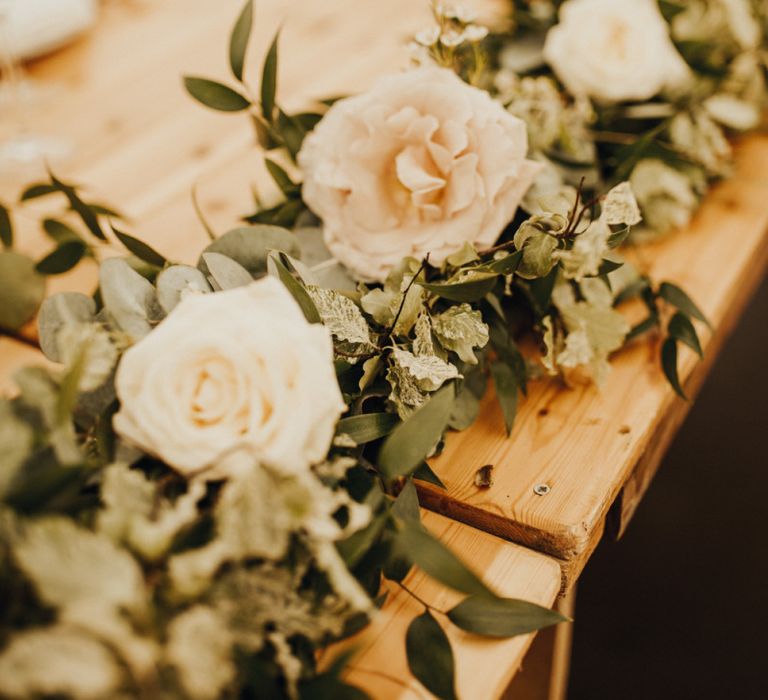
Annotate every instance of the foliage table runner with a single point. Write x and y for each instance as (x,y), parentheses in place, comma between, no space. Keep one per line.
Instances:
(594,448)
(550,489)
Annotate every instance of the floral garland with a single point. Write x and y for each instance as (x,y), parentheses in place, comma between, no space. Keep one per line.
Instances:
(219,482)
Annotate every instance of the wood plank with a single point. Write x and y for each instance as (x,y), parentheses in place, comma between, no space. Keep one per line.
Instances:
(484,666)
(586,444)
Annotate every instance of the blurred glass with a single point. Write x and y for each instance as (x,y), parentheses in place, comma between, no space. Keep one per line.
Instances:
(21,149)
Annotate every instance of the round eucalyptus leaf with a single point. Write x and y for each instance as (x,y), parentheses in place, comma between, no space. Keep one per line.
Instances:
(250,245)
(58,311)
(22,290)
(225,272)
(130,300)
(175,280)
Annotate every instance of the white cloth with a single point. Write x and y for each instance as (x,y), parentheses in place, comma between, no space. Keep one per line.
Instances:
(36,27)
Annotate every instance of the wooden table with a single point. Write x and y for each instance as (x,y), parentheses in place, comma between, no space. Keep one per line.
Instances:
(141,144)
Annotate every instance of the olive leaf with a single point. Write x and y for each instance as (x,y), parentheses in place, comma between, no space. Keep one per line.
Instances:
(269,81)
(411,442)
(296,288)
(63,258)
(215,95)
(140,249)
(430,656)
(238,42)
(406,505)
(59,231)
(669,365)
(367,427)
(502,617)
(506,392)
(677,297)
(470,286)
(435,559)
(680,328)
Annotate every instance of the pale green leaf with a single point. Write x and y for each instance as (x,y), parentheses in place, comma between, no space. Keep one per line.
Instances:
(57,661)
(428,371)
(129,299)
(341,316)
(200,649)
(55,554)
(461,329)
(538,250)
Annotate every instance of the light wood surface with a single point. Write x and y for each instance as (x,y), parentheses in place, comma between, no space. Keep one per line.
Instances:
(586,445)
(484,667)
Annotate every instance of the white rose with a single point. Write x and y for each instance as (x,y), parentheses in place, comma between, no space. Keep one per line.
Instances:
(229,373)
(614,51)
(422,163)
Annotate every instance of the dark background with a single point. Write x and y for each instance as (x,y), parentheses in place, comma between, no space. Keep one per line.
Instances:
(678,608)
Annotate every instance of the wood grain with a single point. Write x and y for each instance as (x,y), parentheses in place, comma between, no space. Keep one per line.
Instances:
(586,444)
(484,666)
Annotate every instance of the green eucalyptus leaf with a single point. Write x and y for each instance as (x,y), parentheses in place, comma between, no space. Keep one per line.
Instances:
(430,656)
(406,505)
(680,328)
(269,81)
(21,292)
(57,311)
(215,95)
(140,249)
(59,231)
(672,294)
(250,246)
(367,427)
(129,299)
(412,441)
(669,365)
(63,258)
(472,287)
(225,272)
(173,281)
(296,288)
(434,558)
(502,617)
(507,388)
(238,42)
(6,227)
